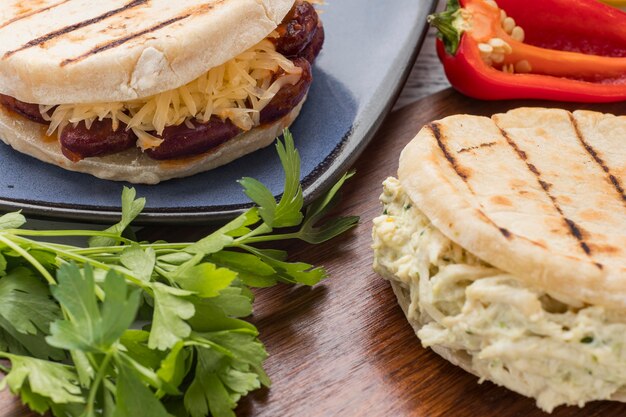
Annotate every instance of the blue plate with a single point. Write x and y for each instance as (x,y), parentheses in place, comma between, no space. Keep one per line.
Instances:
(369,50)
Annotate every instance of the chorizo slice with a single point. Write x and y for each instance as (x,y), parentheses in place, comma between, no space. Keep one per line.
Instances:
(78,142)
(288,96)
(28,110)
(183,140)
(297,30)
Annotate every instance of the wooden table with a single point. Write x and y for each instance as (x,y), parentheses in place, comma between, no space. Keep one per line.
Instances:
(427,76)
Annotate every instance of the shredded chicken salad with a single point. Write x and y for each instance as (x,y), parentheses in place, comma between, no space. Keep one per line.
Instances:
(559,352)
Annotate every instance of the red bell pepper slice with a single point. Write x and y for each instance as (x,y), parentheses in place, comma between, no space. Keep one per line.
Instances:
(574,50)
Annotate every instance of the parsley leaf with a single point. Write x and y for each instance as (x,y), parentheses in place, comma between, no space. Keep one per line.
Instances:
(206,279)
(220,313)
(133,397)
(3,265)
(287,212)
(249,268)
(310,232)
(291,272)
(131,208)
(140,262)
(135,343)
(170,312)
(91,327)
(262,196)
(26,312)
(289,209)
(207,392)
(176,365)
(219,380)
(223,237)
(242,346)
(12,221)
(41,383)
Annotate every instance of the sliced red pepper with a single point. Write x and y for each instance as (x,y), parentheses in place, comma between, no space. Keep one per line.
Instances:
(573,50)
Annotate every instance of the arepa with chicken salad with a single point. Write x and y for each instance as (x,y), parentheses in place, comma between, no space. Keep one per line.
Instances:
(504,239)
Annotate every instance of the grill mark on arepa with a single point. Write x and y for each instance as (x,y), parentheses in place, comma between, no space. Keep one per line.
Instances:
(435,129)
(31,13)
(472,148)
(120,41)
(573,228)
(76,26)
(594,155)
(505,232)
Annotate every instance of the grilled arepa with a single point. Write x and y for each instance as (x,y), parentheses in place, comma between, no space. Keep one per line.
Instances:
(504,239)
(147,90)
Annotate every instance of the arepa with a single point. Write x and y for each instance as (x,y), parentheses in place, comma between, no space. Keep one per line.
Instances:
(148,90)
(505,241)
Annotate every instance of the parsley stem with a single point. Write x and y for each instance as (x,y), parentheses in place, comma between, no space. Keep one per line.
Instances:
(34,262)
(70,255)
(199,341)
(147,373)
(161,271)
(93,390)
(173,247)
(264,228)
(67,233)
(259,239)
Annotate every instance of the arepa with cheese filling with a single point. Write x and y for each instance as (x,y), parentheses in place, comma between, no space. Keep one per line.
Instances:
(147,90)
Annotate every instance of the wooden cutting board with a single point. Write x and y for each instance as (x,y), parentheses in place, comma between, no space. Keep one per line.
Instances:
(344,348)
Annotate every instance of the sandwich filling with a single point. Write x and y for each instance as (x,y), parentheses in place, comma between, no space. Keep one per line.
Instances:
(237,90)
(559,351)
(259,86)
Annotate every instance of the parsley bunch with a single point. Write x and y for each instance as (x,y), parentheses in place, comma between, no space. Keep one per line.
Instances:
(125,328)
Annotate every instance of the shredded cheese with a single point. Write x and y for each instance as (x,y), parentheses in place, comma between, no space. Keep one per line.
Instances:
(237,90)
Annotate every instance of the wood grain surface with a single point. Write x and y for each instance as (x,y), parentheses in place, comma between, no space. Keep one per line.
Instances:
(344,348)
(426,77)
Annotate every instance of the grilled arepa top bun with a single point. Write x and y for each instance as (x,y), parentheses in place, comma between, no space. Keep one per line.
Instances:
(536,192)
(83,51)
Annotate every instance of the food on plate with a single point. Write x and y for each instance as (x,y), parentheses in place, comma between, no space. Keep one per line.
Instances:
(145,91)
(504,239)
(573,50)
